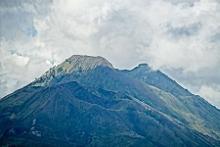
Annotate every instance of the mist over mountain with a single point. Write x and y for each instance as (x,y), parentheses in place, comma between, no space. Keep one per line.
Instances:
(85,101)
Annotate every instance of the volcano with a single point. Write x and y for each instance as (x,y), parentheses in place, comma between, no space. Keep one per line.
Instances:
(85,101)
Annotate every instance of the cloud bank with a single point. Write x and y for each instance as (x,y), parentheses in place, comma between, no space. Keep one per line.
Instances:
(181,37)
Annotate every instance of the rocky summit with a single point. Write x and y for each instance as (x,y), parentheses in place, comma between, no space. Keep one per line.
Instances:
(75,63)
(85,101)
(83,63)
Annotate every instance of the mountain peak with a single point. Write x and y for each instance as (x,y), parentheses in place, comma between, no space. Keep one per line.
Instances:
(83,63)
(142,67)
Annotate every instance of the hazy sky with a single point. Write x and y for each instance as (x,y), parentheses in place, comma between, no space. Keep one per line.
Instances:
(181,37)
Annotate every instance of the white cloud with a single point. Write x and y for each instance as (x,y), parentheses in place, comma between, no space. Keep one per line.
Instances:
(211,94)
(19,60)
(169,34)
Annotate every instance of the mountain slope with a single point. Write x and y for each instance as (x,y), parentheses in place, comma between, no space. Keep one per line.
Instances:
(84,101)
(193,108)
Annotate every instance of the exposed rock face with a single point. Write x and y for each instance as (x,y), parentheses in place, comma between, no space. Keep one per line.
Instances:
(80,63)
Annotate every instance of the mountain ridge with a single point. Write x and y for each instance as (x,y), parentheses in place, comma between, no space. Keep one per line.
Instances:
(91,104)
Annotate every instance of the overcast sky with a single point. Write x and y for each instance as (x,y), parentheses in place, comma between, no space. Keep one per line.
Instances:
(180,37)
